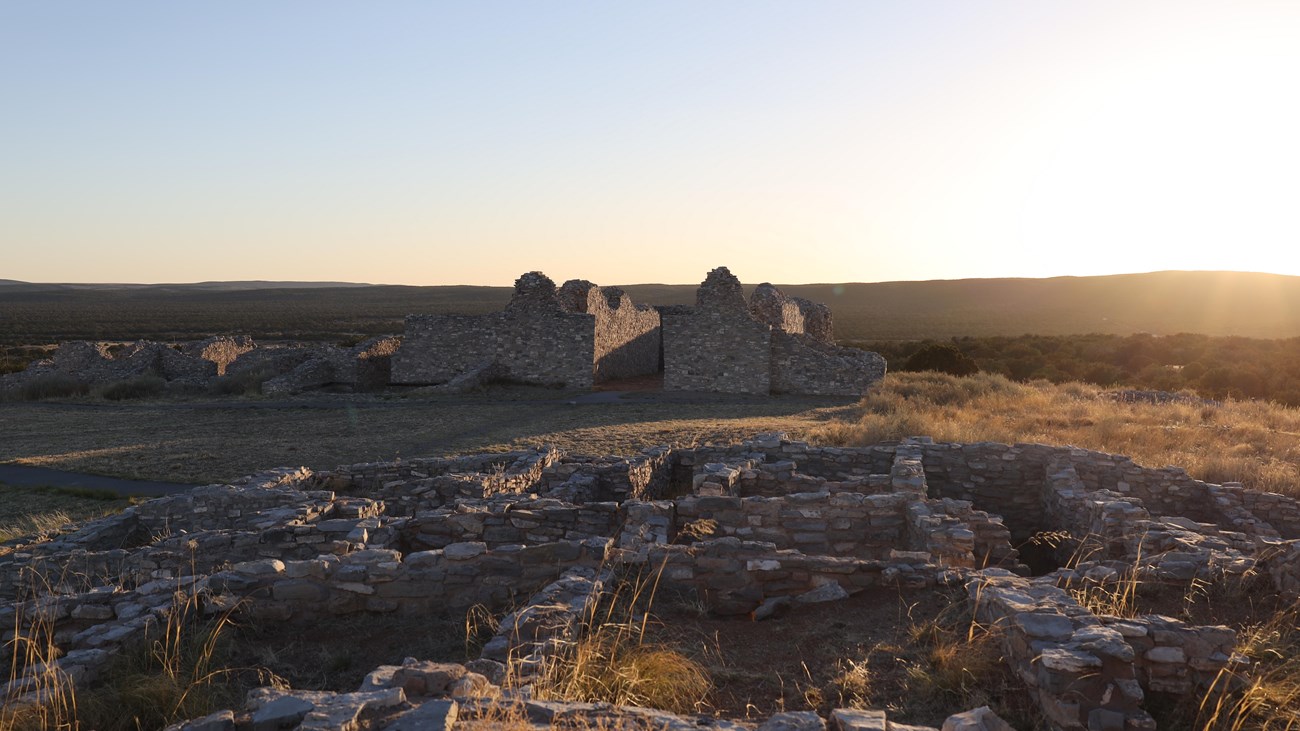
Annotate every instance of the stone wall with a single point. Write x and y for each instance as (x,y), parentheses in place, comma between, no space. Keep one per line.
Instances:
(717,345)
(381,581)
(365,367)
(534,339)
(506,522)
(731,576)
(493,529)
(771,307)
(819,523)
(794,315)
(802,364)
(628,338)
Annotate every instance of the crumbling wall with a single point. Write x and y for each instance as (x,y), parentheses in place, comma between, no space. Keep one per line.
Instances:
(732,576)
(628,338)
(802,364)
(717,345)
(794,315)
(533,338)
(771,307)
(376,580)
(97,364)
(366,366)
(511,523)
(723,344)
(841,524)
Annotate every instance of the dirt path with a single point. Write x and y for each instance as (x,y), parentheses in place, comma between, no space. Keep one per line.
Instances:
(204,440)
(21,476)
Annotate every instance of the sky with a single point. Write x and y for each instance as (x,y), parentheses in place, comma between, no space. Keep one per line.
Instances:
(465,143)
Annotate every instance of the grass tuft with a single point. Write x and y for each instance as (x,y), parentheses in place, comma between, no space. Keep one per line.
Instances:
(611,660)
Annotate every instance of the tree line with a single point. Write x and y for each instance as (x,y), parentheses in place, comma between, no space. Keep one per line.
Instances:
(1213,366)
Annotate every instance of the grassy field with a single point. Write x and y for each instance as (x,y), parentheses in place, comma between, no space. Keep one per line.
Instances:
(203,440)
(1255,443)
(28,510)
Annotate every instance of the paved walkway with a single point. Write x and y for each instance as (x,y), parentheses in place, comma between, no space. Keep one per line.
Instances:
(24,476)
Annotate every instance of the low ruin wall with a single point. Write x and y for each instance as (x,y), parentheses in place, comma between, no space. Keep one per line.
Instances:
(807,366)
(543,348)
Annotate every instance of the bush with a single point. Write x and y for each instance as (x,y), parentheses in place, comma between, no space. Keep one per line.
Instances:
(55,385)
(943,358)
(136,388)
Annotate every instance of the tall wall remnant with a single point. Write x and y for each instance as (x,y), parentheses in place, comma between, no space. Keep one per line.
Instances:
(534,340)
(572,337)
(775,344)
(627,341)
(717,345)
(581,334)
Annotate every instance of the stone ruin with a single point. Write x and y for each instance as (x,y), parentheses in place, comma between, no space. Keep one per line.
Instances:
(581,334)
(541,530)
(773,344)
(574,336)
(281,369)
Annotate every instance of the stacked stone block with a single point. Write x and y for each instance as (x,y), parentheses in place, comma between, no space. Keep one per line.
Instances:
(534,339)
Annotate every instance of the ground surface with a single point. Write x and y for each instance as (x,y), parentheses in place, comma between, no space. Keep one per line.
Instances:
(336,654)
(878,649)
(204,440)
(25,510)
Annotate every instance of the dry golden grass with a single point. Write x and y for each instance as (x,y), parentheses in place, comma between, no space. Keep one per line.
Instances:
(612,661)
(176,673)
(1255,443)
(26,511)
(1267,698)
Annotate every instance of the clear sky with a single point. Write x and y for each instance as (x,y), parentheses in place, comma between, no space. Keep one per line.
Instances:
(440,143)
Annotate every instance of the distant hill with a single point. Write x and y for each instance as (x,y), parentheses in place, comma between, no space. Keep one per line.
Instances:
(237,286)
(1212,303)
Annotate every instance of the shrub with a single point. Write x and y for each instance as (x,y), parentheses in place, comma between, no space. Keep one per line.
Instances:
(55,385)
(943,358)
(136,388)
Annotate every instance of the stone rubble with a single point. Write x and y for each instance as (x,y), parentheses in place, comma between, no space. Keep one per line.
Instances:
(749,530)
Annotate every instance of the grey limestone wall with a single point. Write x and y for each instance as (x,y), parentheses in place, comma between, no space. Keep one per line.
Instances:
(534,339)
(771,307)
(628,338)
(839,524)
(522,523)
(794,315)
(717,345)
(732,576)
(802,364)
(375,580)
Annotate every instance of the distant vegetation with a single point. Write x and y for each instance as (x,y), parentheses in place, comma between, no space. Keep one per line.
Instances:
(1215,367)
(1214,303)
(984,320)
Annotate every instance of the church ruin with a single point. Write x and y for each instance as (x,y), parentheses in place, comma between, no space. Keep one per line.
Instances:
(580,334)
